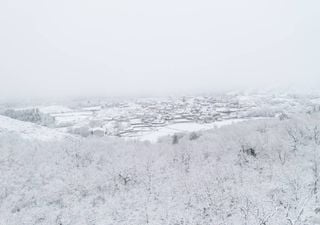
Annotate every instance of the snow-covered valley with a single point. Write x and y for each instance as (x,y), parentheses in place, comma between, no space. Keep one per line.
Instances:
(254,163)
(166,112)
(152,118)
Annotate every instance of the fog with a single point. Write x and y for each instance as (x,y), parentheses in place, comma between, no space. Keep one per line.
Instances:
(125,47)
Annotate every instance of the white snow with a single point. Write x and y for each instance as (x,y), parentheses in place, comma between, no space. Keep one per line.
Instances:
(255,172)
(53,109)
(154,136)
(29,130)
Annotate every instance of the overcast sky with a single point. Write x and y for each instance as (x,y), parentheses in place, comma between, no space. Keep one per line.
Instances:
(123,47)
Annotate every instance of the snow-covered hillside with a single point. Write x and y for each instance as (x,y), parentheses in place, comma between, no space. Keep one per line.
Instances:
(256,172)
(29,130)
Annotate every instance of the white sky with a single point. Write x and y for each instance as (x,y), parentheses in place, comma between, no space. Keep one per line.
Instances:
(123,47)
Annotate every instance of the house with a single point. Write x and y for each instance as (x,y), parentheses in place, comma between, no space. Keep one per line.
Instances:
(99,132)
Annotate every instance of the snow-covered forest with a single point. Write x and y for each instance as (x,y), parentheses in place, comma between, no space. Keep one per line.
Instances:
(171,112)
(263,172)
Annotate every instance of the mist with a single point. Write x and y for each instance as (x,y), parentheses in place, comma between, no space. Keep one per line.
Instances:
(111,48)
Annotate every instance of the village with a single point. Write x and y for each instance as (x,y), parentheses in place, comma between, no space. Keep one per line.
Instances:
(132,118)
(136,117)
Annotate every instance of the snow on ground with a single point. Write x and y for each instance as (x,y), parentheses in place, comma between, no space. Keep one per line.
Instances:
(172,129)
(262,172)
(52,109)
(29,130)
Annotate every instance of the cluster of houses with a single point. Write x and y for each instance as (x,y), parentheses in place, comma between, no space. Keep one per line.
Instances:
(131,119)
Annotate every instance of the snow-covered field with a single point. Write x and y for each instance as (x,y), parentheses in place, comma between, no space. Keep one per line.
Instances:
(172,129)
